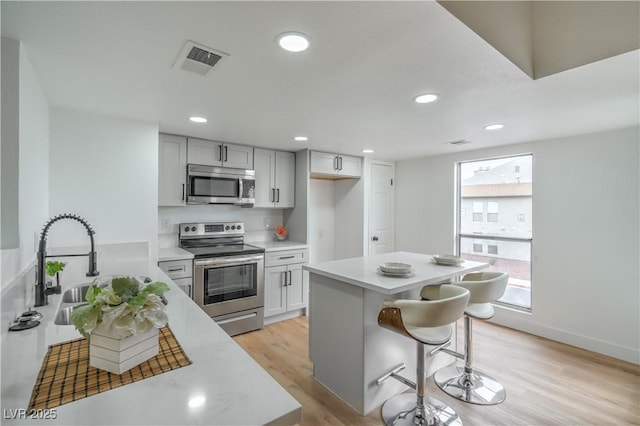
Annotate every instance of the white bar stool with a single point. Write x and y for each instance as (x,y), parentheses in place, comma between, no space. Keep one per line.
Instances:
(465,383)
(428,322)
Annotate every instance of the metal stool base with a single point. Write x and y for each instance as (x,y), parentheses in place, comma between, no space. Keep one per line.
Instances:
(476,387)
(400,410)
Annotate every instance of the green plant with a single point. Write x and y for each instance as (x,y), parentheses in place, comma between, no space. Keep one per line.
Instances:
(123,307)
(54,267)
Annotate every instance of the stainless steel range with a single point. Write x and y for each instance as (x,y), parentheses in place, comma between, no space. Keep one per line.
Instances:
(228,275)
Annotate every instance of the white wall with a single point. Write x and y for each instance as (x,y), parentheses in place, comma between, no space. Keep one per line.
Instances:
(586,231)
(336,215)
(30,118)
(104,169)
(34,159)
(321,217)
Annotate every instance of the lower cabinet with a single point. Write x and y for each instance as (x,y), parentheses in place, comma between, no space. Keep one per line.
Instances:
(180,272)
(285,287)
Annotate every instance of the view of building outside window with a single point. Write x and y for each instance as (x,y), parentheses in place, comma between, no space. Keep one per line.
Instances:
(495,223)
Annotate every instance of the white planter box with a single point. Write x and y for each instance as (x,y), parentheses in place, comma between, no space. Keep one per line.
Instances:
(117,355)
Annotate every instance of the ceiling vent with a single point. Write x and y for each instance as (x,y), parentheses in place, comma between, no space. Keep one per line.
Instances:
(459,142)
(197,58)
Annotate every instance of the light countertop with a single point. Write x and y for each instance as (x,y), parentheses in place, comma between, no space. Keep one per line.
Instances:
(363,271)
(236,389)
(278,245)
(173,253)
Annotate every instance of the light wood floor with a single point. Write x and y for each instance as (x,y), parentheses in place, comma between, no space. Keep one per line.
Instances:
(548,383)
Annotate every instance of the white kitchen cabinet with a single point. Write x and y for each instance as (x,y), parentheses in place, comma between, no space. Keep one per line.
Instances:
(286,289)
(180,272)
(335,166)
(212,153)
(172,170)
(275,178)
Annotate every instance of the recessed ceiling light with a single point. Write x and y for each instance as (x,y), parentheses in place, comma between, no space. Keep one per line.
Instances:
(494,127)
(293,41)
(367,151)
(301,139)
(197,401)
(198,119)
(426,98)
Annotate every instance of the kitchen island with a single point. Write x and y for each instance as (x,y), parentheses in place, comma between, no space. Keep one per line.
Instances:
(348,349)
(222,386)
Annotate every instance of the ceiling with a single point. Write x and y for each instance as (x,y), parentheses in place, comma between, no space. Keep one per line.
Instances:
(351,90)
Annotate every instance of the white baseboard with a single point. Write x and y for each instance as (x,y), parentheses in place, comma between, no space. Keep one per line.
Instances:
(285,316)
(523,321)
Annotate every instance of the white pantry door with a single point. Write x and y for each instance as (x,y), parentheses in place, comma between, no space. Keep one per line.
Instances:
(381,208)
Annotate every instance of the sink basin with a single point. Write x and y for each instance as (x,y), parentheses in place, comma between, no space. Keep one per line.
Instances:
(75,295)
(63,317)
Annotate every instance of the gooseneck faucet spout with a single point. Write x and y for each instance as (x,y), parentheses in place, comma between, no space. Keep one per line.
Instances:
(42,292)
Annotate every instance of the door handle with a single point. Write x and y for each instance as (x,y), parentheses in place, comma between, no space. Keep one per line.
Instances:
(284,275)
(375,238)
(289,277)
(273,195)
(226,153)
(278,196)
(340,160)
(183,192)
(335,163)
(220,153)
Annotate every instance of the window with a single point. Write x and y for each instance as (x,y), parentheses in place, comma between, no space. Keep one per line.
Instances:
(503,189)
(478,209)
(492,211)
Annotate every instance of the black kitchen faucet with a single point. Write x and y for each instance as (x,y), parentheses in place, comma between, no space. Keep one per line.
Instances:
(42,291)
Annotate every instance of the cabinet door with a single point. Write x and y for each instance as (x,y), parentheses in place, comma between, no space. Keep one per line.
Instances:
(275,292)
(237,156)
(350,166)
(323,162)
(285,179)
(296,292)
(207,153)
(265,167)
(172,170)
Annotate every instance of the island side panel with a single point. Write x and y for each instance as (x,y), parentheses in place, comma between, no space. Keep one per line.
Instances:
(336,337)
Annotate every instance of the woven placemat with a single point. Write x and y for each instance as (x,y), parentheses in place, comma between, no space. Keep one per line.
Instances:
(66,375)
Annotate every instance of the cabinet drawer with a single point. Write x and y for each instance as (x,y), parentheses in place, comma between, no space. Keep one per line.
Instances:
(286,257)
(177,268)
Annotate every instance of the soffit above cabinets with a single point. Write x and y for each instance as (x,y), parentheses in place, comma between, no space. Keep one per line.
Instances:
(547,37)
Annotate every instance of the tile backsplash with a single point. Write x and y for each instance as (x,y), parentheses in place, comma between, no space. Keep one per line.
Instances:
(259,223)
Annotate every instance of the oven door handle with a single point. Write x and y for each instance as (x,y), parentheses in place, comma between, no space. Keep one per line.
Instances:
(226,261)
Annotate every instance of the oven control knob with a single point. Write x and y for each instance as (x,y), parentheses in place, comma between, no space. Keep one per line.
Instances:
(233,227)
(193,229)
(239,227)
(186,229)
(226,228)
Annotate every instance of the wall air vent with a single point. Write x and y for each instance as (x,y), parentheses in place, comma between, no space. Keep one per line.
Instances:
(197,58)
(458,142)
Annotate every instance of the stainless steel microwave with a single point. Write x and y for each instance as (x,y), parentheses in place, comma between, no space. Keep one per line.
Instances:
(220,185)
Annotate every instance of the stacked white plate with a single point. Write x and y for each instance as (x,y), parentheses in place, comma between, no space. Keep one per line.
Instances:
(448,259)
(395,269)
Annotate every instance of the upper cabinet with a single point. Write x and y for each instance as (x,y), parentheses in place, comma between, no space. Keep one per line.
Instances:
(212,153)
(335,166)
(275,178)
(172,170)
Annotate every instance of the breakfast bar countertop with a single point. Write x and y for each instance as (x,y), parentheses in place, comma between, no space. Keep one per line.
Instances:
(223,385)
(363,271)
